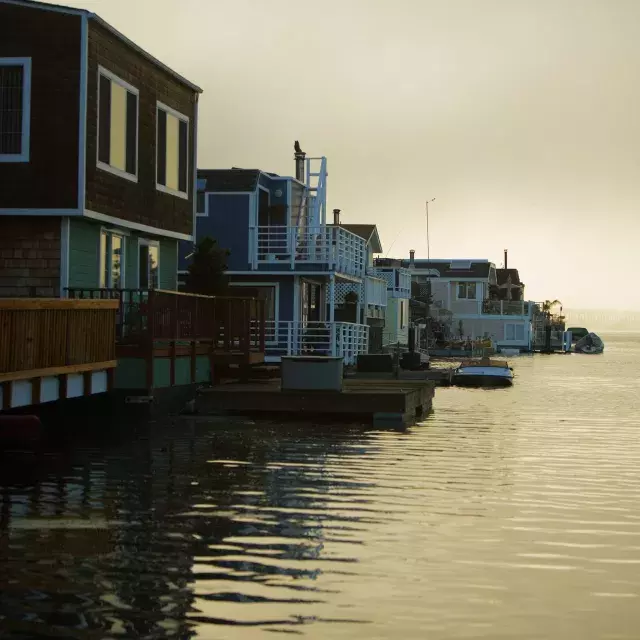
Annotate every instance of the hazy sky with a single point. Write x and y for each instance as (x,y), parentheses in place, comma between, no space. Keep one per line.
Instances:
(520,117)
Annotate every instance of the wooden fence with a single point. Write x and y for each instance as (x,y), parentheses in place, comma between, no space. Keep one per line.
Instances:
(49,336)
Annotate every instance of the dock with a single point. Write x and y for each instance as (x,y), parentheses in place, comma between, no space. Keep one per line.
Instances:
(440,377)
(394,403)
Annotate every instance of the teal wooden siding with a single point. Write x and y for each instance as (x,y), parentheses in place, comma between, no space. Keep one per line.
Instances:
(84,259)
(84,244)
(131,373)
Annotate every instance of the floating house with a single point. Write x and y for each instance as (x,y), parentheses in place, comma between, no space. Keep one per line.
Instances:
(467,292)
(315,276)
(97,166)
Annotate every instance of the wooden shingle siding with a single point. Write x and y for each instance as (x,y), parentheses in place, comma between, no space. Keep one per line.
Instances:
(29,256)
(49,180)
(115,196)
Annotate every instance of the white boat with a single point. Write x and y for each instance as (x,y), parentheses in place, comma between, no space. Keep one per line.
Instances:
(483,373)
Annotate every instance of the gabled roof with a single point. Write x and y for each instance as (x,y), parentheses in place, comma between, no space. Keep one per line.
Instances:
(502,276)
(45,6)
(368,232)
(228,180)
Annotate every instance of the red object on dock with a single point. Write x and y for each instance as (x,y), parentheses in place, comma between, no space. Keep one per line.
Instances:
(20,429)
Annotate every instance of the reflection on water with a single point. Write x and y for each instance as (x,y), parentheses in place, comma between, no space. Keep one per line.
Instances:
(509,514)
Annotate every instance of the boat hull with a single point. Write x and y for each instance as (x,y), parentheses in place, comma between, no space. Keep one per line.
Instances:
(480,380)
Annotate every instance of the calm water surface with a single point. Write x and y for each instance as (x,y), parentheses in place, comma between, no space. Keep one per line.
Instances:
(507,514)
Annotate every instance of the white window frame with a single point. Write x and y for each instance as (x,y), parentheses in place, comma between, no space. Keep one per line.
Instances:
(515,338)
(478,285)
(206,205)
(25,63)
(181,116)
(146,242)
(123,257)
(103,165)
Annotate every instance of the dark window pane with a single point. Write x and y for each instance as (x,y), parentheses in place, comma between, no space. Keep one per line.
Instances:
(104,121)
(11,107)
(183,163)
(161,147)
(200,202)
(132,131)
(143,266)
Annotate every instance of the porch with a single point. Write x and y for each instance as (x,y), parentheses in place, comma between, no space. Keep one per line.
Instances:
(53,349)
(506,308)
(167,339)
(293,338)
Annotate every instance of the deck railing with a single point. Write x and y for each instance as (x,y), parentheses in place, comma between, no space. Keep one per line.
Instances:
(505,307)
(41,336)
(346,339)
(331,247)
(228,323)
(398,280)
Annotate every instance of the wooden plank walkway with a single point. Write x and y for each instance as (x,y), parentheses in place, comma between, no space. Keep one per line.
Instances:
(382,402)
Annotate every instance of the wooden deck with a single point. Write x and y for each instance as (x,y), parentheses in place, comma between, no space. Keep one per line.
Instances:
(52,349)
(381,402)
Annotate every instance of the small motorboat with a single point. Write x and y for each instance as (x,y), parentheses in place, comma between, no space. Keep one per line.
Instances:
(483,373)
(591,343)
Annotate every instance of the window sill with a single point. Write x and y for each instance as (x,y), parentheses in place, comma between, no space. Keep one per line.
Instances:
(14,157)
(202,215)
(173,192)
(117,172)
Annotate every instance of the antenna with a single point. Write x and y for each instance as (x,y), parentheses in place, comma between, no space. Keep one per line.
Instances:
(391,245)
(427,211)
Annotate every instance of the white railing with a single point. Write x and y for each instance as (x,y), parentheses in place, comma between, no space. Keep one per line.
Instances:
(398,280)
(505,307)
(286,338)
(333,247)
(375,291)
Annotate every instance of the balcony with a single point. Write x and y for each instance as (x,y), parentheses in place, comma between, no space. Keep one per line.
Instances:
(285,338)
(506,307)
(328,247)
(398,280)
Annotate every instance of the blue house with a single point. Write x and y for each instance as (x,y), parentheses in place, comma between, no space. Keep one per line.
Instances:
(312,274)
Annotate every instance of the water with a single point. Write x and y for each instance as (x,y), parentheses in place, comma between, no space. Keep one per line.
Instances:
(507,514)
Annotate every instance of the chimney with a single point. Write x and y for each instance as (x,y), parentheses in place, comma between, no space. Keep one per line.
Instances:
(336,217)
(505,258)
(412,258)
(300,156)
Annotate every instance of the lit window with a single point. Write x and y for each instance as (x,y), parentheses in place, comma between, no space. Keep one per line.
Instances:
(117,126)
(15,109)
(111,260)
(467,290)
(148,265)
(172,145)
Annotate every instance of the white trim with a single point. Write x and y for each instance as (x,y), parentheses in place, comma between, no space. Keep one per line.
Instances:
(180,116)
(82,133)
(123,235)
(94,215)
(64,255)
(148,243)
(40,212)
(112,77)
(206,208)
(194,166)
(253,283)
(24,154)
(233,193)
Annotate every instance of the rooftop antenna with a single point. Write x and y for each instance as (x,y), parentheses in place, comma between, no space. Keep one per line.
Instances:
(428,248)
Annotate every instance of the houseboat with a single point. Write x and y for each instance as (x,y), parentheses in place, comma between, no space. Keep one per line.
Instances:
(316,275)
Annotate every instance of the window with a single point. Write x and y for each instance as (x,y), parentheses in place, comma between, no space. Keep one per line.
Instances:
(117,126)
(172,144)
(202,204)
(148,265)
(514,332)
(403,313)
(467,290)
(15,109)
(111,260)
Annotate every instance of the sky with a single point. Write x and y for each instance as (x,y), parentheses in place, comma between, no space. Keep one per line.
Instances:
(521,119)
